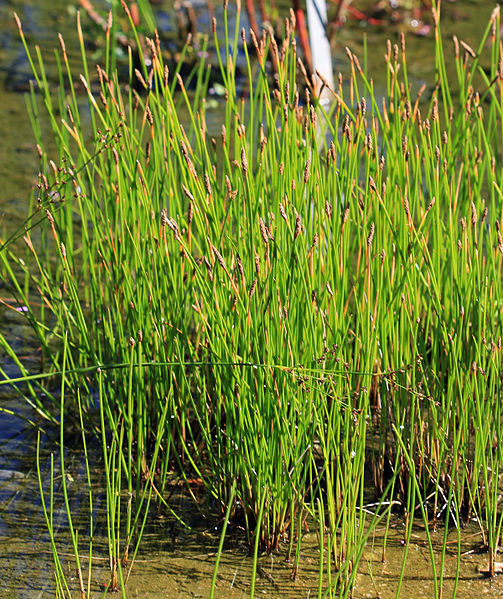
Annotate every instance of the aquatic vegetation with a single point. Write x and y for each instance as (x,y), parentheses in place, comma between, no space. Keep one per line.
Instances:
(302,311)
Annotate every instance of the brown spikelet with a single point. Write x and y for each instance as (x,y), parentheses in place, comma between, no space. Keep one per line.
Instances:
(252,288)
(62,44)
(406,207)
(282,212)
(369,143)
(456,46)
(207,183)
(345,124)
(190,213)
(408,110)
(244,163)
(500,242)
(363,106)
(173,225)
(188,160)
(329,289)
(218,256)
(50,217)
(240,268)
(209,269)
(298,225)
(140,78)
(474,215)
(63,250)
(264,231)
(434,109)
(257,264)
(306,171)
(468,49)
(345,217)
(187,193)
(370,238)
(149,116)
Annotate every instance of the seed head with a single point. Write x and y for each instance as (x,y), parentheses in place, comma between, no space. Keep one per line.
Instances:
(50,217)
(474,214)
(434,109)
(252,288)
(240,267)
(187,193)
(371,235)
(263,231)
(298,225)
(306,171)
(209,269)
(369,143)
(500,242)
(244,163)
(207,183)
(218,256)
(149,116)
(363,106)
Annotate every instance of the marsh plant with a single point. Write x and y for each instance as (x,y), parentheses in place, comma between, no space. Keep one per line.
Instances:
(302,312)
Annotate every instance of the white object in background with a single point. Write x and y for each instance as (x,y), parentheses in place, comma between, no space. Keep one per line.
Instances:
(320,46)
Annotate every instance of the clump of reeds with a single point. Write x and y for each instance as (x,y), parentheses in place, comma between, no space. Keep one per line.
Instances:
(287,316)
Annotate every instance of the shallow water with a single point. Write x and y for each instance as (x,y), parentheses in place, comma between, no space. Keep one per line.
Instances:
(169,564)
